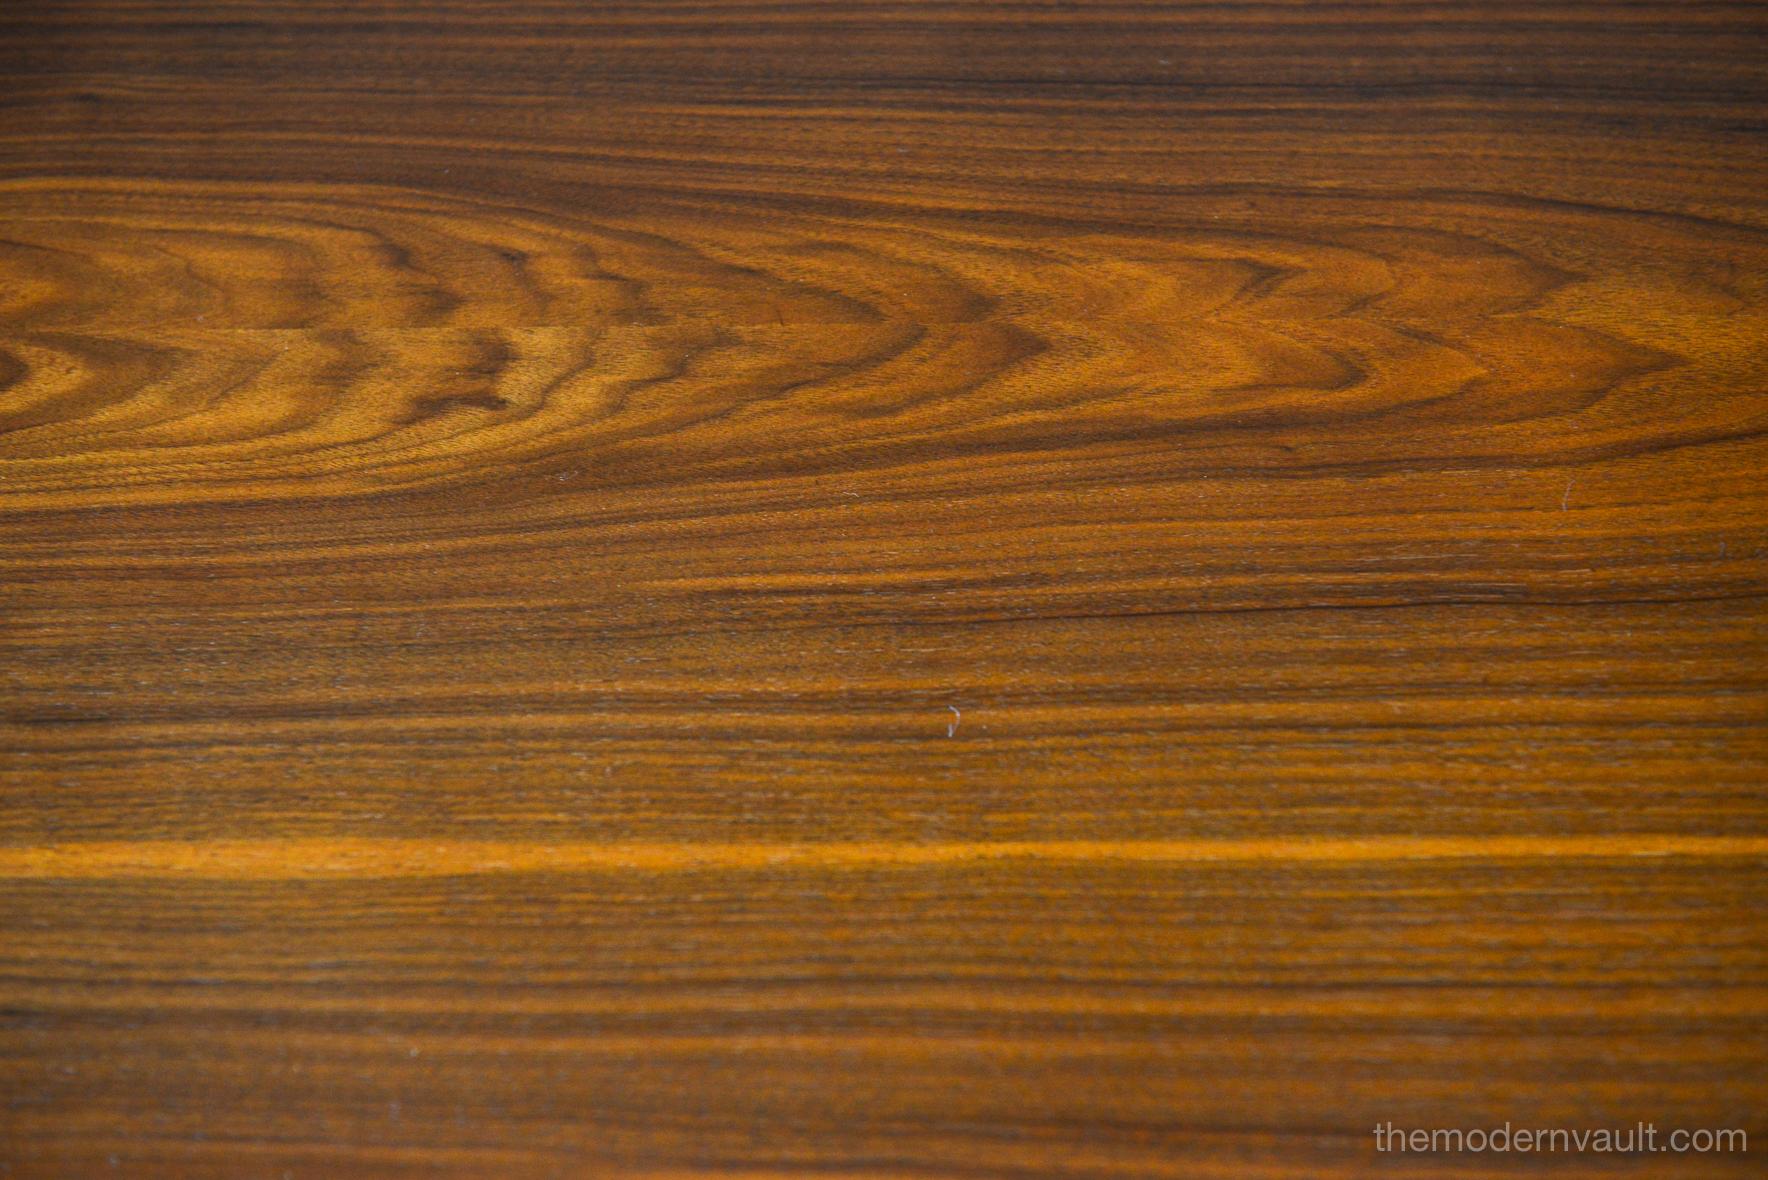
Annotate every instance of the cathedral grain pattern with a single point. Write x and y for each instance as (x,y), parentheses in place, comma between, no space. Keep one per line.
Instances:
(706,588)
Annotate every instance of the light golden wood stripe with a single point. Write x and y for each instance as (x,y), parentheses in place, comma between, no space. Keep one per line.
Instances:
(225,860)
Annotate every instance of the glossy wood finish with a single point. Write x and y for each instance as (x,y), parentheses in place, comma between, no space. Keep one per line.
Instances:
(719,589)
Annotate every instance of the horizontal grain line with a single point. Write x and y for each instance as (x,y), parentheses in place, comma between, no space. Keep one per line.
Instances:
(242,860)
(745,189)
(284,612)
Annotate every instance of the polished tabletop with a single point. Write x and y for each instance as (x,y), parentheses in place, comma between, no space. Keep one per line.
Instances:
(716,590)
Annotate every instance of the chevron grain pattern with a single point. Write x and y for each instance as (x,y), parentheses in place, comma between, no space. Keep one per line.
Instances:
(707,588)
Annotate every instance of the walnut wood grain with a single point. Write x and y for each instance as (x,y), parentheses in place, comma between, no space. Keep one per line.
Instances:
(706,588)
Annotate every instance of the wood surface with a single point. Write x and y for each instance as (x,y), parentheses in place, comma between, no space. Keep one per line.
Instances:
(718,589)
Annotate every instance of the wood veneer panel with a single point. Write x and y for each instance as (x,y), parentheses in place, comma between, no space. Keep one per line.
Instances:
(860,589)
